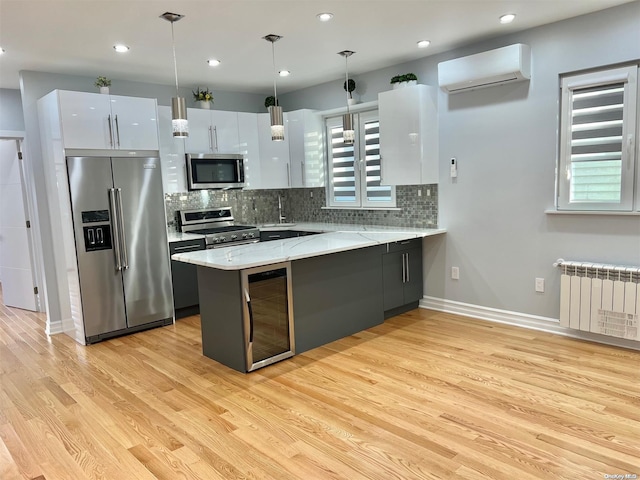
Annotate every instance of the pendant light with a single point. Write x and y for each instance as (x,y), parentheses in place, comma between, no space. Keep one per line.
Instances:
(275,111)
(178,105)
(348,133)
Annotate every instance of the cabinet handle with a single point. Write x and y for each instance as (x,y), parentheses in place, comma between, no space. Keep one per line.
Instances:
(404,270)
(408,270)
(196,246)
(117,131)
(288,176)
(210,138)
(215,136)
(304,182)
(110,131)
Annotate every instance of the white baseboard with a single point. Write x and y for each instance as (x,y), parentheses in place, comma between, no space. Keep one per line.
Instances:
(518,319)
(53,328)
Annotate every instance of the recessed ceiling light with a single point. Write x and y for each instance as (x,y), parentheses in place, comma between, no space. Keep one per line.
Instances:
(284,73)
(120,48)
(324,17)
(424,43)
(213,62)
(1,50)
(507,18)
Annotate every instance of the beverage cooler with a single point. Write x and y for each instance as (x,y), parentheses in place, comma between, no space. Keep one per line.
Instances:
(267,315)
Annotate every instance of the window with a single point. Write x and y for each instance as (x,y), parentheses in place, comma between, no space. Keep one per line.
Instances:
(597,140)
(354,170)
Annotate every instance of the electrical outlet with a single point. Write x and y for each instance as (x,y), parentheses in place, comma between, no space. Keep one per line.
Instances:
(455,273)
(540,285)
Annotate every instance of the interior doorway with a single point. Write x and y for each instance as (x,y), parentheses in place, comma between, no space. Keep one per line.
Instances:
(16,243)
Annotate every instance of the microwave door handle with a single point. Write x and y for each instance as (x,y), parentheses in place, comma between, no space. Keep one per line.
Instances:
(116,229)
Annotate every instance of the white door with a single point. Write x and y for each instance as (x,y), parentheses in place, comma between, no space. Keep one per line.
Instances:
(200,139)
(16,267)
(135,122)
(274,156)
(225,132)
(86,120)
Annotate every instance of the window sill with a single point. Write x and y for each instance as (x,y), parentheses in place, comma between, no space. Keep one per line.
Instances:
(391,209)
(592,212)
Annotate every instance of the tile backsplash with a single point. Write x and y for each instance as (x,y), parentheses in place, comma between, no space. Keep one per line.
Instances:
(417,206)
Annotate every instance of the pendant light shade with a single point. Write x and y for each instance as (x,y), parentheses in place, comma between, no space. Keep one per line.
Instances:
(275,111)
(348,132)
(179,122)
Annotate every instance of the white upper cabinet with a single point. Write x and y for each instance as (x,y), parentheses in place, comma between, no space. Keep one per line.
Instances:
(274,156)
(250,149)
(306,150)
(97,121)
(409,135)
(212,131)
(174,178)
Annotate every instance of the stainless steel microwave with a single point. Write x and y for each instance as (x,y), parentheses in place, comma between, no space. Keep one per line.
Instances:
(214,170)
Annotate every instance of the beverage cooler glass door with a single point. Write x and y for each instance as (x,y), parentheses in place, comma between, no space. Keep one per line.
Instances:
(268,315)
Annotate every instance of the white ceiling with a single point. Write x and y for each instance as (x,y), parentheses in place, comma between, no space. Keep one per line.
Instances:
(77,37)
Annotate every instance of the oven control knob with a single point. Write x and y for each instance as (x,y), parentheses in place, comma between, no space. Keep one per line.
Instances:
(244,235)
(223,239)
(233,237)
(251,235)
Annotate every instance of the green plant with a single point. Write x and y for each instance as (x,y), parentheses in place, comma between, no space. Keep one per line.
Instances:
(203,95)
(270,101)
(410,76)
(102,82)
(351,86)
(407,77)
(395,79)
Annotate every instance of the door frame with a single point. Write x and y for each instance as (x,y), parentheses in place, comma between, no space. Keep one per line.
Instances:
(29,196)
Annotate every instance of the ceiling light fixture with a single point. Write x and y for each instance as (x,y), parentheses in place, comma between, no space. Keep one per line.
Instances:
(324,17)
(275,111)
(284,73)
(120,48)
(1,50)
(424,43)
(178,105)
(213,62)
(507,18)
(348,133)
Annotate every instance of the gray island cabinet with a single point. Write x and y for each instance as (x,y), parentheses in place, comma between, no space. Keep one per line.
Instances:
(292,295)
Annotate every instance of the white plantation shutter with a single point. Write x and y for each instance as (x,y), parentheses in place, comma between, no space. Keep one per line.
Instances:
(355,169)
(598,128)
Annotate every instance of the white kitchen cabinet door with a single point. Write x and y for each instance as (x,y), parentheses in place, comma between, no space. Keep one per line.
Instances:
(200,139)
(86,120)
(172,159)
(409,135)
(225,132)
(135,122)
(274,156)
(306,150)
(250,149)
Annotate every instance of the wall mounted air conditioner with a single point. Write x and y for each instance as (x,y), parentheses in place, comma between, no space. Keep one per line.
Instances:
(495,67)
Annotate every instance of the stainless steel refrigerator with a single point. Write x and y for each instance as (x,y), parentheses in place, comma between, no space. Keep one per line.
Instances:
(121,244)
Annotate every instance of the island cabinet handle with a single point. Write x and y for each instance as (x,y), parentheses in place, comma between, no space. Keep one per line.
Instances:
(250,310)
(404,269)
(407,261)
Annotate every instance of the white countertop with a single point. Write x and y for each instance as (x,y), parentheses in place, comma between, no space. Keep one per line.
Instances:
(339,238)
(179,236)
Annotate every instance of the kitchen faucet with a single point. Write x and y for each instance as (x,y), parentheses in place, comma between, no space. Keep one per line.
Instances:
(281,218)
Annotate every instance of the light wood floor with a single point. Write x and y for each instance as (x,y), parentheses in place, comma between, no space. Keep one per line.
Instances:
(426,395)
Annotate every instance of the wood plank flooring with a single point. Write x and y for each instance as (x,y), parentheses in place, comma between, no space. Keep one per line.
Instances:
(427,395)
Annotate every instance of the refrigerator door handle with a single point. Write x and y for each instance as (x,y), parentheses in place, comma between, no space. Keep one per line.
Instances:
(116,229)
(122,239)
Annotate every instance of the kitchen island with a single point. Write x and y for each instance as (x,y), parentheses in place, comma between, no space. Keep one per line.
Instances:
(328,286)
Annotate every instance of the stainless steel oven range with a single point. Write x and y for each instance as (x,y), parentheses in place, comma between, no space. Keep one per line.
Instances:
(218,227)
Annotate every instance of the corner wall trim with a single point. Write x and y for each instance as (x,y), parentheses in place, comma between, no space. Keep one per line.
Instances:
(518,319)
(53,328)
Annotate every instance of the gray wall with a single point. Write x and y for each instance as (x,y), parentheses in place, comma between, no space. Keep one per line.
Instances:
(11,118)
(505,140)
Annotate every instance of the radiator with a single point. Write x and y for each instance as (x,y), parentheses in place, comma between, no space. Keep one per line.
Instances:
(598,298)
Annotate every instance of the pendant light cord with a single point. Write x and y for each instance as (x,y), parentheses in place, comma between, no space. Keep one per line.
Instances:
(175,62)
(273,57)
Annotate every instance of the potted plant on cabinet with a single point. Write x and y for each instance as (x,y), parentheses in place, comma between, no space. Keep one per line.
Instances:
(270,101)
(103,83)
(403,80)
(350,88)
(204,97)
